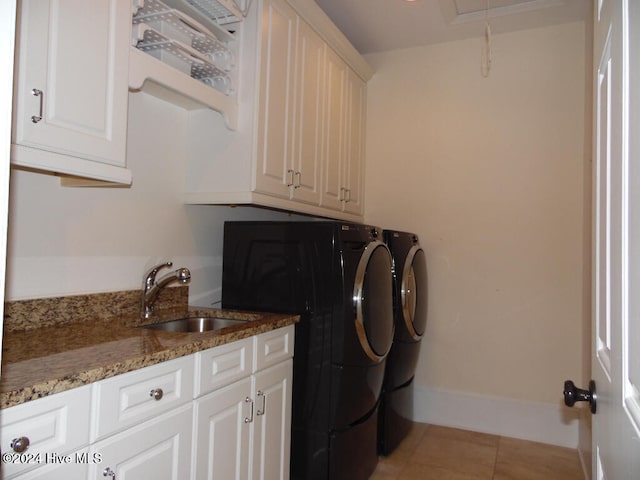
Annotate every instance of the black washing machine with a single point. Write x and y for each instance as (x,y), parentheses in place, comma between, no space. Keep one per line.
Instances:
(337,276)
(410,316)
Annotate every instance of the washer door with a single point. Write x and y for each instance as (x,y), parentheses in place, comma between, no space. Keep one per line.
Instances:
(414,292)
(373,301)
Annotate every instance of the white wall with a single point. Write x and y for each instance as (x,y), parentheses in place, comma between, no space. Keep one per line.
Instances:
(489,172)
(66,241)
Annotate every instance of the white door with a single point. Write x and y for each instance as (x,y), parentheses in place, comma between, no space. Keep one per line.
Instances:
(7,33)
(616,327)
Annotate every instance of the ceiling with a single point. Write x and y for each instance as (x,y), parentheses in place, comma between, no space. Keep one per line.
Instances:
(381,25)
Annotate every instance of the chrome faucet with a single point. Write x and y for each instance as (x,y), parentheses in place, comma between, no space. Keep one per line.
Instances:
(151,289)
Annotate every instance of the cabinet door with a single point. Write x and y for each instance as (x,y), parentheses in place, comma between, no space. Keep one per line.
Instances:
(271,445)
(222,422)
(307,145)
(356,96)
(159,448)
(333,141)
(71,91)
(273,174)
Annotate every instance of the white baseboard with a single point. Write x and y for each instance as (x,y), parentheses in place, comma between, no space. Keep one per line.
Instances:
(548,423)
(586,464)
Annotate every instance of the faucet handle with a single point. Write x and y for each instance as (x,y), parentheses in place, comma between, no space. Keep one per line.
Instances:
(150,277)
(183,275)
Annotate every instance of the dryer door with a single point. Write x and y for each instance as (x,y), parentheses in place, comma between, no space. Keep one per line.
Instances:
(414,292)
(373,301)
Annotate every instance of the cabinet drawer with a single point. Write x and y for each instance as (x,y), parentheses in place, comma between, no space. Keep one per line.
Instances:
(55,424)
(273,347)
(223,365)
(133,397)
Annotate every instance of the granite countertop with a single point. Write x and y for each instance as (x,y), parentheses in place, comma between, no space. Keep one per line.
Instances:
(42,361)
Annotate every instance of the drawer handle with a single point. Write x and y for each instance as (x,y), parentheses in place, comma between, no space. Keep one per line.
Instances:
(107,472)
(20,445)
(156,393)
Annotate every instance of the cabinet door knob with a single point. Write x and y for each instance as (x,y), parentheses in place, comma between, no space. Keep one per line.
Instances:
(107,472)
(156,393)
(38,93)
(20,445)
(290,174)
(298,182)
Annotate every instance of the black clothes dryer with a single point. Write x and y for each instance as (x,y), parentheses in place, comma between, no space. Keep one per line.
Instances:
(410,316)
(338,277)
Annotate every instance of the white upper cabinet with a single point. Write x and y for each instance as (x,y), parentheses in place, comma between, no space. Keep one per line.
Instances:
(299,144)
(353,171)
(71,93)
(343,158)
(290,106)
(307,134)
(275,110)
(334,137)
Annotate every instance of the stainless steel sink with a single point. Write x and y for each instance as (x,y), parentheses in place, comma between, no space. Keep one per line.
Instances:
(195,324)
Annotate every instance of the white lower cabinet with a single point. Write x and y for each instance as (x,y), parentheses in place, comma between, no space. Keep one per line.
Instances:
(156,449)
(243,430)
(76,468)
(39,433)
(271,431)
(223,413)
(129,399)
(221,432)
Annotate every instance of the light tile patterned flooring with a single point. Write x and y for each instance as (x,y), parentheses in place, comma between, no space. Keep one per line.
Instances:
(437,453)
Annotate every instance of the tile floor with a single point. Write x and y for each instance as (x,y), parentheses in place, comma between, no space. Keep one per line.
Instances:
(438,453)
